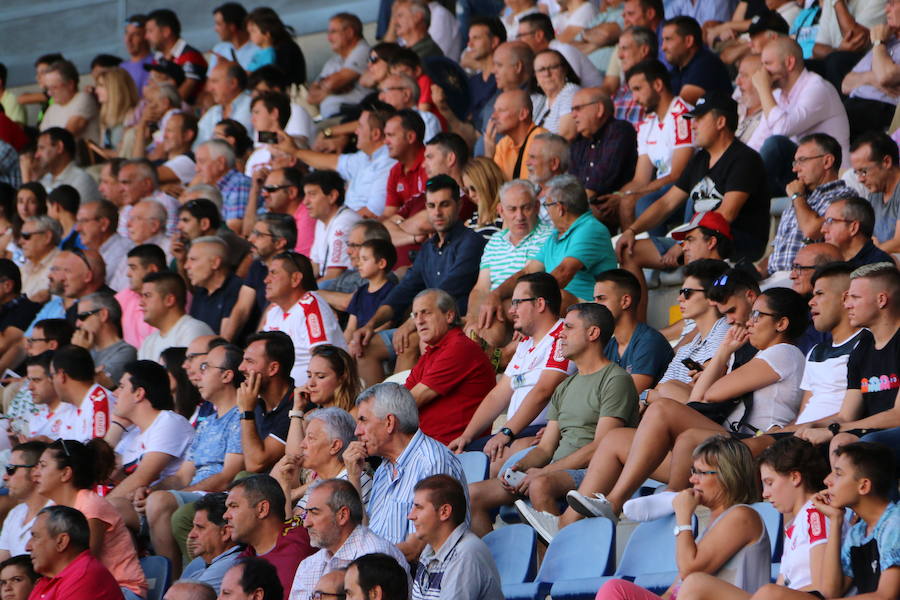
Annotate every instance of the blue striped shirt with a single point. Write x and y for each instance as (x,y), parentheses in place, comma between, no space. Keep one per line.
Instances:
(391,499)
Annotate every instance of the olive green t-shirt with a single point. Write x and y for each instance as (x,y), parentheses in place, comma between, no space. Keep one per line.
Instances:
(581,400)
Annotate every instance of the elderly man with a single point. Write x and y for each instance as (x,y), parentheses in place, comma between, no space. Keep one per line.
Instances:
(875,159)
(139,181)
(55,158)
(82,272)
(190,590)
(388,426)
(221,300)
(508,251)
(97,224)
(39,239)
(512,120)
(401,92)
(455,562)
(163,299)
(817,163)
(210,542)
(338,82)
(535,370)
(808,259)
(604,154)
(411,23)
(99,330)
(227,83)
(216,166)
(795,102)
(636,44)
(537,31)
(453,375)
(77,112)
(849,224)
(256,515)
(334,518)
(447,261)
(60,551)
(547,157)
(147,225)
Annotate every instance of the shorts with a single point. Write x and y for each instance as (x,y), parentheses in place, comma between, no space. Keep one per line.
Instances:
(183,498)
(478,445)
(662,244)
(577,475)
(387,336)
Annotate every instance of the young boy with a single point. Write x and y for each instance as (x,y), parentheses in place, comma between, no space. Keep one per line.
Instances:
(861,479)
(375,260)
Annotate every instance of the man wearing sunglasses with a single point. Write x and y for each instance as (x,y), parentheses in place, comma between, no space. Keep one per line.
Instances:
(17,526)
(99,323)
(38,239)
(283,194)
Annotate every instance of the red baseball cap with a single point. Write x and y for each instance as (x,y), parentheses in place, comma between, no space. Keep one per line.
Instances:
(708,220)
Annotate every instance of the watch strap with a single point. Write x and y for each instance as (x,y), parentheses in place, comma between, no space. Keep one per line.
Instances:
(295,414)
(680,528)
(248,415)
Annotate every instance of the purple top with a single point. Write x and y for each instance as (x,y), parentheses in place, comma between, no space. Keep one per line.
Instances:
(138,73)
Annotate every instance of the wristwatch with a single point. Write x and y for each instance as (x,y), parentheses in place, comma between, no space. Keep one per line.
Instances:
(508,433)
(834,428)
(797,195)
(679,528)
(295,414)
(248,415)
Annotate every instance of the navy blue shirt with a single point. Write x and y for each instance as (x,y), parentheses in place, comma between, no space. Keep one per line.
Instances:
(256,276)
(648,353)
(480,93)
(453,268)
(705,70)
(275,422)
(364,303)
(870,254)
(212,308)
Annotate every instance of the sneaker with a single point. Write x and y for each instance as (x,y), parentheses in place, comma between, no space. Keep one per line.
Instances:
(591,507)
(544,524)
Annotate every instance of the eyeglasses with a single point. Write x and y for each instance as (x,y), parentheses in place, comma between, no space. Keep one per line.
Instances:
(548,68)
(374,58)
(258,233)
(293,257)
(515,302)
(27,235)
(756,314)
(204,366)
(271,189)
(318,595)
(865,170)
(585,105)
(80,254)
(802,159)
(796,267)
(84,315)
(549,204)
(34,340)
(695,471)
(831,221)
(11,468)
(392,89)
(688,292)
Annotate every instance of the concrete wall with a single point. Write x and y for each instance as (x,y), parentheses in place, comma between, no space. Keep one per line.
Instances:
(81,29)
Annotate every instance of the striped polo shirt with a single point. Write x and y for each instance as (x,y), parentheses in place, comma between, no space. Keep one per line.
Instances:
(504,259)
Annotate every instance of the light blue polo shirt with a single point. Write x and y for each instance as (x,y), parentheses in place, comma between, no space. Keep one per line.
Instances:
(588,240)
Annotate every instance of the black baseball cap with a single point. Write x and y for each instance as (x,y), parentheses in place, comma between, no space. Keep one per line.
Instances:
(714,100)
(768,21)
(169,68)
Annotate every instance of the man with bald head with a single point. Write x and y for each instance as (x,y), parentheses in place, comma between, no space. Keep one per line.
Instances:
(808,259)
(82,272)
(795,102)
(147,225)
(221,300)
(190,590)
(512,120)
(604,154)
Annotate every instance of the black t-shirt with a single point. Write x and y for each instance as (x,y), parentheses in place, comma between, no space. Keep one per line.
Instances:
(705,70)
(870,254)
(739,169)
(874,373)
(18,313)
(212,308)
(256,279)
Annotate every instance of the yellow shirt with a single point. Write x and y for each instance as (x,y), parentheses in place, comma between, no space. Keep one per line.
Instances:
(507,153)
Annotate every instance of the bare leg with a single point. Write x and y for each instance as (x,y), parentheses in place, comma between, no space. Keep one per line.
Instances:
(484,497)
(675,390)
(547,489)
(645,255)
(370,364)
(127,512)
(160,506)
(772,591)
(703,586)
(407,359)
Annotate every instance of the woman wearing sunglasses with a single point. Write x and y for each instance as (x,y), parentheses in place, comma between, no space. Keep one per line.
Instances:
(67,473)
(792,472)
(735,546)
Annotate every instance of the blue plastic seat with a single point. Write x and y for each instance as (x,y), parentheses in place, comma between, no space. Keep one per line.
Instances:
(514,549)
(774,522)
(648,560)
(582,551)
(158,573)
(475,465)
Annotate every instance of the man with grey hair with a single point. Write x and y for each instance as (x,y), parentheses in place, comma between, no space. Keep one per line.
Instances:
(577,251)
(637,43)
(76,111)
(147,225)
(849,224)
(98,324)
(401,91)
(453,375)
(410,22)
(216,166)
(226,85)
(190,590)
(139,181)
(39,239)
(334,519)
(60,552)
(221,299)
(508,251)
(388,426)
(512,123)
(202,190)
(547,157)
(96,224)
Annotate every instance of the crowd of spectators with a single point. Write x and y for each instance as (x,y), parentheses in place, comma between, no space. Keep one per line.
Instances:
(250,316)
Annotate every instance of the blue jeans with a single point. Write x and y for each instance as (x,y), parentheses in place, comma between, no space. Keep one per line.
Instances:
(671,221)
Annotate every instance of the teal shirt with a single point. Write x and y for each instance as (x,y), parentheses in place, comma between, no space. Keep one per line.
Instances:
(588,240)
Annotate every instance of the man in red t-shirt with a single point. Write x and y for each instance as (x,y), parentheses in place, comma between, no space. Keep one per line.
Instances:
(404,136)
(257,512)
(60,551)
(454,374)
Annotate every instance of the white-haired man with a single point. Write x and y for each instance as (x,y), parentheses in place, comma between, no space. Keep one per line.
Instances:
(216,166)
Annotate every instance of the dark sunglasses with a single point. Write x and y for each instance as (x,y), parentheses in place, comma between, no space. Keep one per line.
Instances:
(274,188)
(84,315)
(27,235)
(11,468)
(688,292)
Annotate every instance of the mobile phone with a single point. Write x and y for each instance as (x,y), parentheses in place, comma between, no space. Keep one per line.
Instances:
(692,364)
(267,137)
(513,478)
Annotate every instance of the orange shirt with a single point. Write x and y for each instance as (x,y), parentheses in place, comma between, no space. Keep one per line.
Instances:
(507,153)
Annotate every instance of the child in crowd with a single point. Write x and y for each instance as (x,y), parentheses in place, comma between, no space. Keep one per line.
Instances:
(376,259)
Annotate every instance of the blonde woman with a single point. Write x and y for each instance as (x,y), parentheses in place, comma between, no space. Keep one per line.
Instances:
(118,98)
(482,179)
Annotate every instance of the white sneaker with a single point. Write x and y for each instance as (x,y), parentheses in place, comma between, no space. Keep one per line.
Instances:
(591,507)
(544,524)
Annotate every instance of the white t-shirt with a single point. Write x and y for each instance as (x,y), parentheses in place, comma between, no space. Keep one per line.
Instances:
(261,156)
(92,416)
(16,532)
(444,30)
(825,376)
(582,15)
(181,335)
(865,12)
(301,123)
(171,434)
(659,139)
(309,323)
(82,105)
(183,167)
(329,247)
(357,60)
(777,403)
(528,364)
(808,530)
(52,424)
(432,125)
